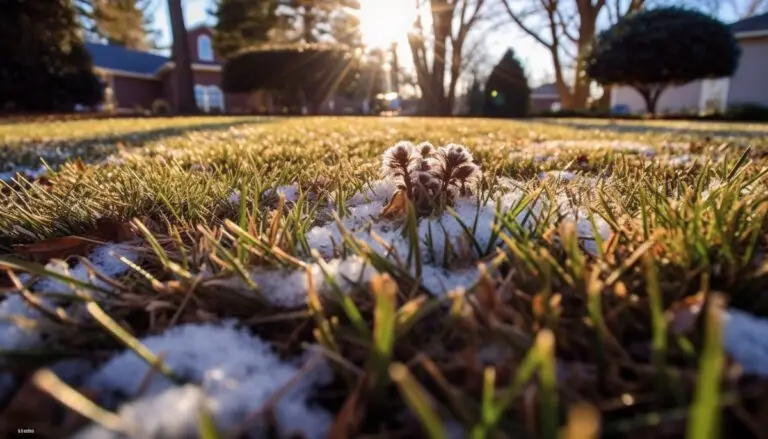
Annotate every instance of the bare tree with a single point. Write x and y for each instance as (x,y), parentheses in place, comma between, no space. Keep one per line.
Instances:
(566,29)
(452,21)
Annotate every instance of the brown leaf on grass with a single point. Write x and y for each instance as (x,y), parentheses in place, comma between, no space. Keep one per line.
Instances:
(57,248)
(398,206)
(79,165)
(64,247)
(45,182)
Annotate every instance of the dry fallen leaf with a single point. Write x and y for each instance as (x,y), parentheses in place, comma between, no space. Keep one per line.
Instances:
(64,247)
(398,206)
(57,248)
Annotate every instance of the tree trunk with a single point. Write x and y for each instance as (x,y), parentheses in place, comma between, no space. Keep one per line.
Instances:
(581,81)
(651,95)
(442,13)
(185,89)
(395,69)
(308,23)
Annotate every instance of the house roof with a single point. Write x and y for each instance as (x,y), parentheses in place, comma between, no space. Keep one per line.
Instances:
(119,58)
(544,90)
(751,24)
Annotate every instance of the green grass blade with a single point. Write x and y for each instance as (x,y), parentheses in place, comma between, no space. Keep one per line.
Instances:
(384,291)
(131,342)
(704,417)
(418,400)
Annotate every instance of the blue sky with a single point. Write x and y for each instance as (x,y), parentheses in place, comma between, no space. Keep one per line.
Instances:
(536,60)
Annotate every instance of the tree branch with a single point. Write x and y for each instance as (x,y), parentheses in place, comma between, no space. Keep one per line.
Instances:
(525,28)
(564,27)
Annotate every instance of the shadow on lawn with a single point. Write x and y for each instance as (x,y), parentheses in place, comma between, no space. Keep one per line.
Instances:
(631,128)
(93,149)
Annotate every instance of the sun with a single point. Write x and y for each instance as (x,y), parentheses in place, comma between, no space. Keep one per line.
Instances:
(384,22)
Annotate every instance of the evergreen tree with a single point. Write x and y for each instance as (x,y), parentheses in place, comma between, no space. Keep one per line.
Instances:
(124,22)
(507,93)
(242,24)
(45,66)
(476,98)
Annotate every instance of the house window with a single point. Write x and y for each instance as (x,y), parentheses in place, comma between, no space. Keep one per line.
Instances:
(209,98)
(204,48)
(215,98)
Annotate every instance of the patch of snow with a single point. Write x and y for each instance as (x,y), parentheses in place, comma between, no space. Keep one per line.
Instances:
(625,146)
(440,281)
(237,373)
(177,407)
(379,190)
(12,335)
(678,161)
(288,288)
(565,176)
(290,192)
(234,197)
(446,230)
(105,258)
(586,233)
(29,173)
(632,147)
(745,339)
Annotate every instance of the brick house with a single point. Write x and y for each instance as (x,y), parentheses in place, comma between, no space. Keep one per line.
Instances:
(141,80)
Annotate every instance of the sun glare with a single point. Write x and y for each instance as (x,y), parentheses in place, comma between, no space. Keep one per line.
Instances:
(385,21)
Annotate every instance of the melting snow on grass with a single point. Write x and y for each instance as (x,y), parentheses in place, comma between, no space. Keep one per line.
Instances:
(448,229)
(23,327)
(231,373)
(541,151)
(29,173)
(105,259)
(290,192)
(288,288)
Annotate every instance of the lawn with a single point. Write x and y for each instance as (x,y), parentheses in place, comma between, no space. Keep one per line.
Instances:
(266,277)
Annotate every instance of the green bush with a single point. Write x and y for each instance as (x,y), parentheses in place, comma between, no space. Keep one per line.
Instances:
(747,112)
(161,106)
(312,69)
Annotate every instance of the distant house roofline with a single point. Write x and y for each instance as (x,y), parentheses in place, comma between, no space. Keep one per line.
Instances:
(755,26)
(198,26)
(545,91)
(125,73)
(170,65)
(751,34)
